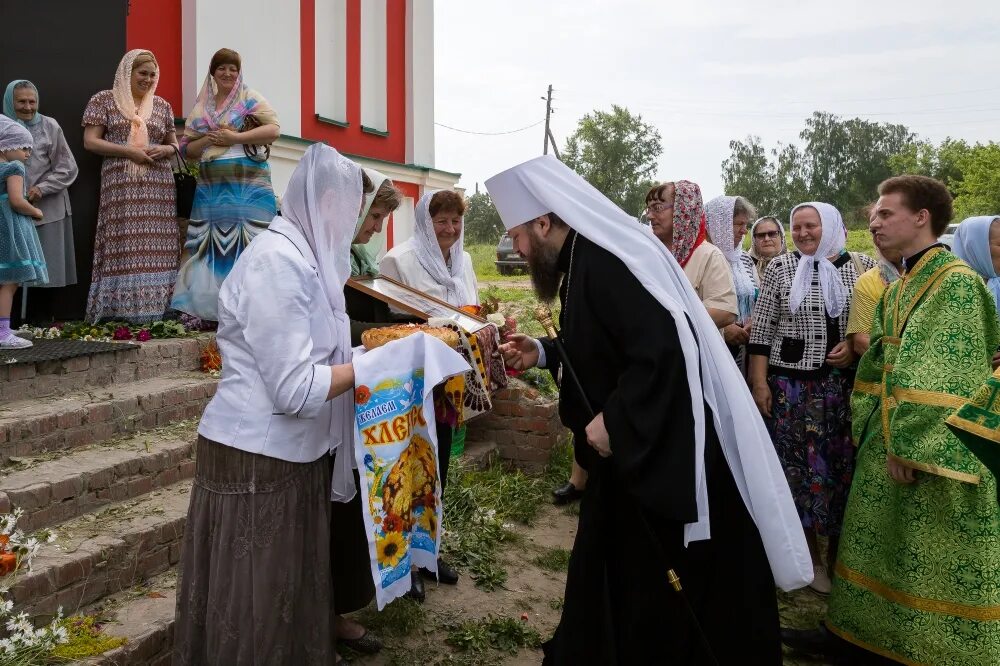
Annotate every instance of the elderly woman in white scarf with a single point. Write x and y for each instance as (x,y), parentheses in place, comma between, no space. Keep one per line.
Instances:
(801,370)
(258,525)
(434,261)
(727,219)
(977,243)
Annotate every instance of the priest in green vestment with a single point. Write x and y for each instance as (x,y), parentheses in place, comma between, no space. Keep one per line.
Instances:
(917,577)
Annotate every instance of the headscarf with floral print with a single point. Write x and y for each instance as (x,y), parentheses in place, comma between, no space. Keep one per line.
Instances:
(689,221)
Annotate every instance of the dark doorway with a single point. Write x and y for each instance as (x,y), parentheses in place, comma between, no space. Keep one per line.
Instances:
(70,50)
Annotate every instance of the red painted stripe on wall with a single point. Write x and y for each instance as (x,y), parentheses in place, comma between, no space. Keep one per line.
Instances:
(155,25)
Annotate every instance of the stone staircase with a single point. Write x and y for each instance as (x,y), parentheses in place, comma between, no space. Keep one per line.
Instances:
(101,449)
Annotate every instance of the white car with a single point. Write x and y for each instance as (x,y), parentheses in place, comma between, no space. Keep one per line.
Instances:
(948,237)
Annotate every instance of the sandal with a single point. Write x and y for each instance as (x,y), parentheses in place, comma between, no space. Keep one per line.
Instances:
(367,643)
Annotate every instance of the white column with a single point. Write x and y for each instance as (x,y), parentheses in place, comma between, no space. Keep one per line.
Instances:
(331,59)
(191,78)
(374,85)
(403,219)
(420,82)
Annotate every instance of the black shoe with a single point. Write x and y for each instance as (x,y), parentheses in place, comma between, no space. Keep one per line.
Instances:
(367,643)
(566,494)
(816,642)
(445,574)
(416,588)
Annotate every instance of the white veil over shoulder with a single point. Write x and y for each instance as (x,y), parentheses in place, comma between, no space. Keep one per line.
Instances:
(544,185)
(429,255)
(322,200)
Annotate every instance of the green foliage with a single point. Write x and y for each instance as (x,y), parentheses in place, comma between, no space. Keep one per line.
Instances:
(86,639)
(617,153)
(400,618)
(979,189)
(840,162)
(553,559)
(482,221)
(483,262)
(504,634)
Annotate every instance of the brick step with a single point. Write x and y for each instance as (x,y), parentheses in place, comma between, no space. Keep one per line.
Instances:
(57,487)
(33,426)
(103,552)
(154,358)
(145,616)
(480,455)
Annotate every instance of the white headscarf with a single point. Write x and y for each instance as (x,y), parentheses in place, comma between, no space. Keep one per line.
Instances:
(831,244)
(545,185)
(322,201)
(14,135)
(719,213)
(432,260)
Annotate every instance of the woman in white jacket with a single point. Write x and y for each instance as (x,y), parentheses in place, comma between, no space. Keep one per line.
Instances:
(256,585)
(434,261)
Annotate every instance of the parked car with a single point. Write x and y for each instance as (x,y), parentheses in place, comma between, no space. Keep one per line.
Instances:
(509,260)
(948,237)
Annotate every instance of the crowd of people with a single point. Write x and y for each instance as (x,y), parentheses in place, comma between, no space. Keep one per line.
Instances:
(765,404)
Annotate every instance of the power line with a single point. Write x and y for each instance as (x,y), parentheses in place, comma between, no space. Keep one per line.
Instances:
(513,131)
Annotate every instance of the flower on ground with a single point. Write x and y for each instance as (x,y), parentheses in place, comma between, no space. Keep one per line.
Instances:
(391,549)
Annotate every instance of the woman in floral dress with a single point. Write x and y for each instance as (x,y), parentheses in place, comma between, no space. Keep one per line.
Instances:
(135,249)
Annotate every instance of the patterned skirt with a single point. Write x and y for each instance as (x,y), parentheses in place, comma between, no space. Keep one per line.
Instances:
(233,203)
(255,585)
(21,258)
(135,248)
(811,430)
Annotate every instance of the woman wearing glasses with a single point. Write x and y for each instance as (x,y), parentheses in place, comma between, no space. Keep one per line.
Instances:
(767,241)
(677,217)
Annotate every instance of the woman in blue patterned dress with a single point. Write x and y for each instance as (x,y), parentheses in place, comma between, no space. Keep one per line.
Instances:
(234,201)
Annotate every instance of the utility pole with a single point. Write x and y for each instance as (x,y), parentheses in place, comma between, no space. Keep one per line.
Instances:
(548,114)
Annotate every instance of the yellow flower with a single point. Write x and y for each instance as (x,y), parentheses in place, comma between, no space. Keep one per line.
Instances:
(428,521)
(391,549)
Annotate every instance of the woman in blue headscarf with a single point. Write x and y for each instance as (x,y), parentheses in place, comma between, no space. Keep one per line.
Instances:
(977,243)
(50,172)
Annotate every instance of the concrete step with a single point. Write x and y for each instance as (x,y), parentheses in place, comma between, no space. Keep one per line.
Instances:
(145,616)
(103,552)
(480,455)
(56,487)
(36,425)
(154,358)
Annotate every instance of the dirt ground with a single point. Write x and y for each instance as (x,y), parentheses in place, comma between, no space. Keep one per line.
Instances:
(530,590)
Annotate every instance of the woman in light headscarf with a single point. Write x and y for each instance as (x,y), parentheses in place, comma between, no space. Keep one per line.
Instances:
(51,170)
(727,219)
(868,292)
(767,241)
(677,217)
(256,586)
(434,261)
(227,129)
(977,243)
(801,370)
(135,247)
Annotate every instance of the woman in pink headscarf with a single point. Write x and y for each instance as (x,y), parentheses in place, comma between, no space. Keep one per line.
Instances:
(135,249)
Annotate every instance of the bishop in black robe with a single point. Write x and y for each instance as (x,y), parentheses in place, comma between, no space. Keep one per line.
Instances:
(619,606)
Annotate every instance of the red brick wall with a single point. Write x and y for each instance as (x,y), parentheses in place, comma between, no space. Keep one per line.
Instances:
(524,424)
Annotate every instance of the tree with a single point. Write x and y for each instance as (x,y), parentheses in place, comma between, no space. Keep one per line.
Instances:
(482,221)
(979,189)
(840,162)
(617,153)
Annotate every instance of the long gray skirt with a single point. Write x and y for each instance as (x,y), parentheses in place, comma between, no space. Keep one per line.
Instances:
(60,255)
(255,587)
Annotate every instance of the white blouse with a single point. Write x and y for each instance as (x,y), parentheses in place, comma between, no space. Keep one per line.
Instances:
(276,339)
(400,263)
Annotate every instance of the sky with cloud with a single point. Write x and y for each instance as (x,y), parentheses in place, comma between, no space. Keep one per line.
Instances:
(706,73)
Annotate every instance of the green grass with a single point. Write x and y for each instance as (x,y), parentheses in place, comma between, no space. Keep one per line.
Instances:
(400,618)
(503,634)
(553,559)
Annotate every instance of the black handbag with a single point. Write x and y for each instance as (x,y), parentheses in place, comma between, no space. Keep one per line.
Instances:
(252,151)
(186,184)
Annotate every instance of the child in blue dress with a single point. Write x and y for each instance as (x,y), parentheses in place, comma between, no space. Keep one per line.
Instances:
(21,258)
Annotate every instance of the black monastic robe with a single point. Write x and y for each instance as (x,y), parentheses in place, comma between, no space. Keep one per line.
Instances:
(619,607)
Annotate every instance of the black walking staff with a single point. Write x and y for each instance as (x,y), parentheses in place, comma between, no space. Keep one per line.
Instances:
(544,316)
